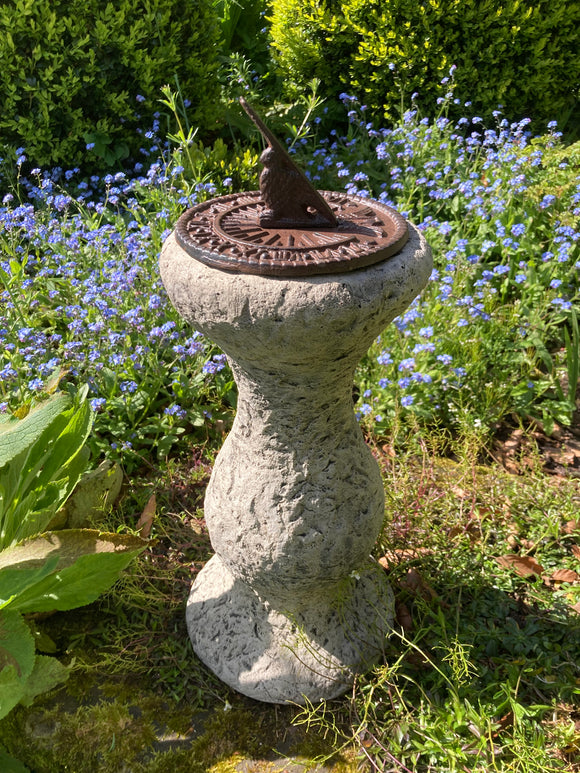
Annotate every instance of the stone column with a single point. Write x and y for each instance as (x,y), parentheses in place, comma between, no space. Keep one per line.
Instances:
(292,606)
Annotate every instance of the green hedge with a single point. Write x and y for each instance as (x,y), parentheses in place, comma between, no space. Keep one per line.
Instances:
(71,72)
(522,54)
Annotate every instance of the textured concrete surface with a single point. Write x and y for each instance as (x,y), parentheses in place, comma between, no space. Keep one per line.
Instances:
(280,656)
(295,501)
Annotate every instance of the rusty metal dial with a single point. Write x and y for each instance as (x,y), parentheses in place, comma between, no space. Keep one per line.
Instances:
(226,233)
(288,228)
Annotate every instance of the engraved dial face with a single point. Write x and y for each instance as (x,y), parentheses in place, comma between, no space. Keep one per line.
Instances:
(226,233)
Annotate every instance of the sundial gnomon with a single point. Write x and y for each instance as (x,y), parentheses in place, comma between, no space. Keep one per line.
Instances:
(287,228)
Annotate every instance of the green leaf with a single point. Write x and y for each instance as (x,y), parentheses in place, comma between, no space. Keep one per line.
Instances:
(41,477)
(17,435)
(47,673)
(89,562)
(17,657)
(14,581)
(9,765)
(54,454)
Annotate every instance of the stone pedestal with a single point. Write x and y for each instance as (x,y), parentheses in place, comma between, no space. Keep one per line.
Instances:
(292,606)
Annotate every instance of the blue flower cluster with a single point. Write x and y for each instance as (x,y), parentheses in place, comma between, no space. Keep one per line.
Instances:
(80,291)
(81,296)
(505,286)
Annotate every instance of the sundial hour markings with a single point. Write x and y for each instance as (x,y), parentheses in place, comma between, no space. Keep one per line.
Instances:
(226,233)
(273,239)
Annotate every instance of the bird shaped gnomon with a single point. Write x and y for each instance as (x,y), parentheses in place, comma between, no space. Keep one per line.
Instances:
(290,199)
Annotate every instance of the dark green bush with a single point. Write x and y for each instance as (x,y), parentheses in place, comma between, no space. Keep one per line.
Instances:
(71,73)
(522,54)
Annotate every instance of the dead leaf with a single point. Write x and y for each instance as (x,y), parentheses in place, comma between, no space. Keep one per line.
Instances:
(146,518)
(570,527)
(576,550)
(471,529)
(417,659)
(459,492)
(415,584)
(565,575)
(504,723)
(395,557)
(512,541)
(525,566)
(404,617)
(389,451)
(576,608)
(365,739)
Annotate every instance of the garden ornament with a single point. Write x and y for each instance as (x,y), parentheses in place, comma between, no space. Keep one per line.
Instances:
(293,284)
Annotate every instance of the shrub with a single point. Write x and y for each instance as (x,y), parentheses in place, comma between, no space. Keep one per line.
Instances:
(77,73)
(522,55)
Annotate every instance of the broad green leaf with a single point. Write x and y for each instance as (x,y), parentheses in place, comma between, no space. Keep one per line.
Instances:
(47,673)
(68,545)
(9,765)
(67,444)
(16,659)
(88,564)
(14,581)
(17,435)
(94,494)
(49,456)
(37,482)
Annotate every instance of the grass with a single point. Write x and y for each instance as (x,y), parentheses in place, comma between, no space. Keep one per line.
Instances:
(481,672)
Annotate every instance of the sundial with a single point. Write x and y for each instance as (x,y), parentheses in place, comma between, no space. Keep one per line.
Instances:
(293,284)
(288,228)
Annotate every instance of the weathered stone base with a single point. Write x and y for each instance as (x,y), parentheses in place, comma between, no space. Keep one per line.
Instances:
(288,657)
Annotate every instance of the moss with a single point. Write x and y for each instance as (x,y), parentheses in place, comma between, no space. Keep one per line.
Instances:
(125,727)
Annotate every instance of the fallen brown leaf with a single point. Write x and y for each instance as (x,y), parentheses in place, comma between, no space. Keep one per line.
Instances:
(576,550)
(459,492)
(416,659)
(512,541)
(395,557)
(146,518)
(505,722)
(570,527)
(565,575)
(404,617)
(415,584)
(365,739)
(522,565)
(576,607)
(471,529)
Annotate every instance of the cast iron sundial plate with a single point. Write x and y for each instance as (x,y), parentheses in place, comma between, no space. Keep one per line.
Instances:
(288,228)
(226,233)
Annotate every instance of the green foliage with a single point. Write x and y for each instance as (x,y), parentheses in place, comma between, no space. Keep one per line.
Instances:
(242,28)
(199,164)
(64,569)
(495,331)
(484,674)
(521,55)
(74,73)
(40,463)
